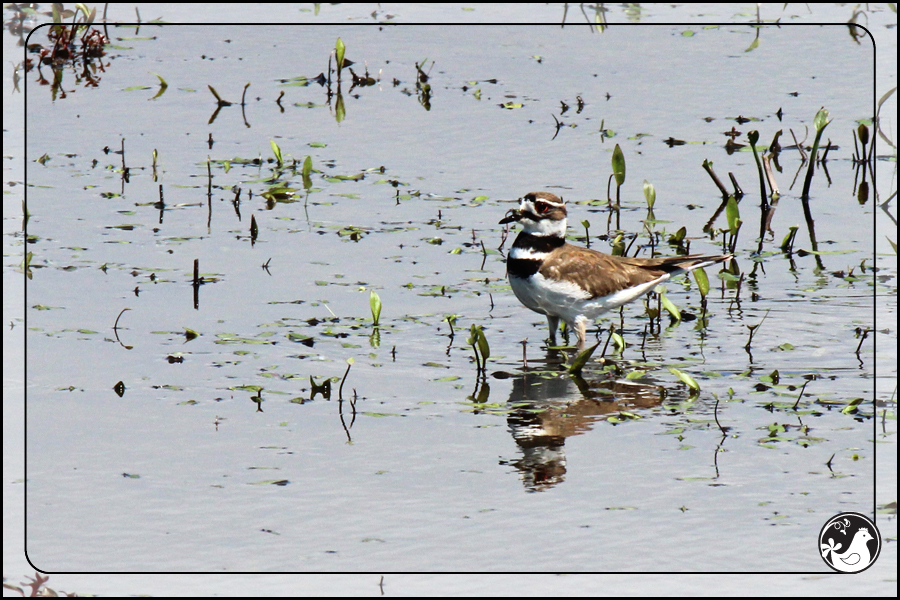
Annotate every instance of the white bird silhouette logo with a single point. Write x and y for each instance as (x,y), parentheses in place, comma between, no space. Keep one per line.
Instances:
(853,559)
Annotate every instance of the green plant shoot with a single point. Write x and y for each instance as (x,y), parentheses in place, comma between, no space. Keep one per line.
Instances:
(649,194)
(339,49)
(685,379)
(277,151)
(618,165)
(702,281)
(732,214)
(670,306)
(375,305)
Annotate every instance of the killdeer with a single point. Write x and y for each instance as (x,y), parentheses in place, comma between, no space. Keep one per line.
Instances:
(562,281)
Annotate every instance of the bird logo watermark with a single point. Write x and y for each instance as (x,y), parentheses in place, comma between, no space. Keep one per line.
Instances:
(849,542)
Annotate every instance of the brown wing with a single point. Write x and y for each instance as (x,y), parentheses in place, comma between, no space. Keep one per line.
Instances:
(602,274)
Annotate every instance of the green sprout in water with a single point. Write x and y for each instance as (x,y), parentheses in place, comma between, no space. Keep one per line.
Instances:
(703,287)
(305,173)
(650,197)
(618,167)
(669,306)
(375,305)
(339,50)
(821,122)
(685,379)
(702,282)
(618,246)
(649,194)
(787,245)
(451,319)
(581,359)
(279,160)
(480,346)
(733,217)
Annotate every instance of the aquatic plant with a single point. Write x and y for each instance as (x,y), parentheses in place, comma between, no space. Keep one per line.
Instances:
(581,359)
(821,121)
(375,306)
(339,50)
(685,379)
(480,347)
(618,168)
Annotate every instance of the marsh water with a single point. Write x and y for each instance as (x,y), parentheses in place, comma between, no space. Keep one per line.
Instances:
(220,450)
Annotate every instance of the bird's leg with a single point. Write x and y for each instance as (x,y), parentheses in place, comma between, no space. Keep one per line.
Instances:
(580,327)
(553,322)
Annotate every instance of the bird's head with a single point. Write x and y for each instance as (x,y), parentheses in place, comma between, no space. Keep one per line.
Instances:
(540,213)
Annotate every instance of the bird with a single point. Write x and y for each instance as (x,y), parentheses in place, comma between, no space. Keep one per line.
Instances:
(563,281)
(854,558)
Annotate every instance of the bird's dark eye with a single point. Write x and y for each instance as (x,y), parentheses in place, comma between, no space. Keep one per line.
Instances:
(542,207)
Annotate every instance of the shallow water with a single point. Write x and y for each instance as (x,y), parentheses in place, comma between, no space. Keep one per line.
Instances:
(185,473)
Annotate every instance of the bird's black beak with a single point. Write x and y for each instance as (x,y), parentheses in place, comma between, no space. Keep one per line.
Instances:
(512,214)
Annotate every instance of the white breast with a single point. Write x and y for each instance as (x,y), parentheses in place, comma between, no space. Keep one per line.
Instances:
(568,300)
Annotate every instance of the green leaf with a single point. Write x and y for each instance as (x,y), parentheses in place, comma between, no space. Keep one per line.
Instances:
(83,8)
(733,215)
(678,237)
(582,358)
(821,121)
(670,306)
(852,406)
(702,282)
(277,152)
(339,49)
(375,305)
(685,378)
(786,242)
(307,169)
(483,346)
(479,345)
(618,165)
(162,82)
(279,193)
(863,132)
(649,193)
